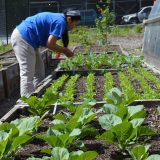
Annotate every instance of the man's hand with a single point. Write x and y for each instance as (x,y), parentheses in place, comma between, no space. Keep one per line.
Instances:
(69,53)
(58,55)
(51,44)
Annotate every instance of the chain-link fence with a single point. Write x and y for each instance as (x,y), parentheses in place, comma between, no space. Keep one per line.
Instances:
(3,19)
(12,12)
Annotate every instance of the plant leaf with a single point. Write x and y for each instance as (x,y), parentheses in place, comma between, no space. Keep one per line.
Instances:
(60,153)
(109,120)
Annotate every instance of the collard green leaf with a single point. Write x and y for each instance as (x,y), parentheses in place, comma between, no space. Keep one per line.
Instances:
(154,157)
(19,141)
(122,112)
(27,125)
(140,114)
(123,131)
(75,132)
(114,96)
(145,131)
(134,109)
(60,153)
(137,122)
(109,120)
(108,137)
(109,108)
(139,152)
(86,116)
(90,155)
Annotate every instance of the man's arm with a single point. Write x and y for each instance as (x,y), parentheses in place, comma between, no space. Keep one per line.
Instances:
(51,44)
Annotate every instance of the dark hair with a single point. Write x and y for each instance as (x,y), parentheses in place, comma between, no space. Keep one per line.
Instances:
(73,13)
(65,38)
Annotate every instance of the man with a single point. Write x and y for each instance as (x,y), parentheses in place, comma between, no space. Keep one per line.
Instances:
(43,29)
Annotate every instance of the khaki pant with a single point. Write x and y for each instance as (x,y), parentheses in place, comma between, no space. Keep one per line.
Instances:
(30,62)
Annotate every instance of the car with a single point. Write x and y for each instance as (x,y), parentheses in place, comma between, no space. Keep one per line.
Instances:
(88,17)
(137,17)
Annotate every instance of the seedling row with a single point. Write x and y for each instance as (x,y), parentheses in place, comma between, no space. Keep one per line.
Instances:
(136,84)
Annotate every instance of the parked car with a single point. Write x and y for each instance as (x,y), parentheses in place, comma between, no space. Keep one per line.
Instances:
(137,17)
(88,17)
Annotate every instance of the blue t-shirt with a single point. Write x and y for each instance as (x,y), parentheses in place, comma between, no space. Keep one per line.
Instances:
(36,29)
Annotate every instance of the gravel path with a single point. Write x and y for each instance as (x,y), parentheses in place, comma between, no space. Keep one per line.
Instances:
(132,44)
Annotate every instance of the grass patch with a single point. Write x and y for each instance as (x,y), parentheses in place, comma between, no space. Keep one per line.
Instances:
(127,31)
(4,47)
(85,36)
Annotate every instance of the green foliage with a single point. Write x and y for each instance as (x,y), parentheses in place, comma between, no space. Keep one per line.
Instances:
(68,94)
(39,106)
(15,134)
(60,153)
(127,31)
(4,47)
(140,152)
(103,24)
(90,87)
(99,61)
(125,134)
(149,92)
(139,28)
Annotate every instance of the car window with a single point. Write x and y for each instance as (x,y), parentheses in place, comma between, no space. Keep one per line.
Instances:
(147,10)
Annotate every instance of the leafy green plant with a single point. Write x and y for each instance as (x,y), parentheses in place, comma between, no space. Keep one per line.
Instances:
(4,47)
(82,117)
(39,106)
(116,115)
(90,88)
(126,133)
(68,94)
(134,61)
(15,134)
(103,24)
(59,153)
(148,91)
(108,83)
(127,89)
(140,152)
(150,76)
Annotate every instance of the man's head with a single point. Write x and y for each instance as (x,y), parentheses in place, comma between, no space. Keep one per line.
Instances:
(73,18)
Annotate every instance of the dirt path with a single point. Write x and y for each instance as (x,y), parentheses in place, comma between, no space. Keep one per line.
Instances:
(132,44)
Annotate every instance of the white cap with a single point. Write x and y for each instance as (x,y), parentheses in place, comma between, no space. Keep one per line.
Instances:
(73,13)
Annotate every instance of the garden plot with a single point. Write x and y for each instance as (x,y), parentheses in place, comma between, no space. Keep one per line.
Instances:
(136,84)
(128,129)
(100,61)
(83,124)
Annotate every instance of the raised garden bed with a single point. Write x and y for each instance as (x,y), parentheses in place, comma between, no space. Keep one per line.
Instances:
(104,150)
(103,81)
(11,79)
(2,89)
